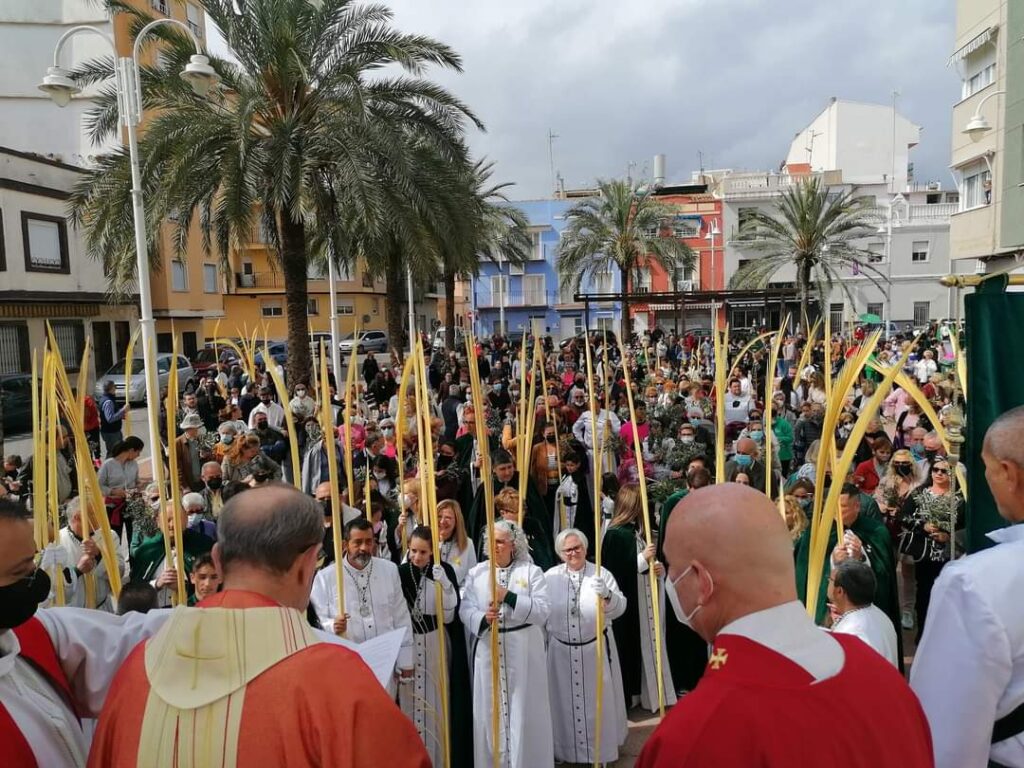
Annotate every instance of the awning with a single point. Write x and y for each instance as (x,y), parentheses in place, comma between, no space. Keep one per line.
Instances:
(972,46)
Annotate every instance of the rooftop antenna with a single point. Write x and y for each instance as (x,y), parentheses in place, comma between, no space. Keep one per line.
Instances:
(551,158)
(810,145)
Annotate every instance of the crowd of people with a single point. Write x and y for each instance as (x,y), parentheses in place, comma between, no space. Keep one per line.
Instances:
(644,607)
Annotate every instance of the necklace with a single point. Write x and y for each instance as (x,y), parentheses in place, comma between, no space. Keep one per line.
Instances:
(845,614)
(417,612)
(576,585)
(362,591)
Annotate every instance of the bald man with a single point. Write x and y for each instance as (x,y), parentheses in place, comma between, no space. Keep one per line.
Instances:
(778,692)
(972,650)
(242,679)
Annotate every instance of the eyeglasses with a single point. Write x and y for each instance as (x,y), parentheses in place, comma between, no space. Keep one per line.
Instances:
(940,471)
(572,550)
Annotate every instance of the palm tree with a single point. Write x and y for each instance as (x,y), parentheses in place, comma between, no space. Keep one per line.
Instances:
(498,232)
(312,135)
(813,230)
(620,228)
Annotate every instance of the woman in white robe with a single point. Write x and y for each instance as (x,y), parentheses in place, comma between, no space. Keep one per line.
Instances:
(524,738)
(574,589)
(456,547)
(420,699)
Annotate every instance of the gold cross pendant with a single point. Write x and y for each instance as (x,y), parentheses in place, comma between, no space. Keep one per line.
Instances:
(718,658)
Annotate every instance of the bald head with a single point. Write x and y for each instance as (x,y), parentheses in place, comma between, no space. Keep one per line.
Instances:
(268,528)
(747,446)
(740,550)
(1003,454)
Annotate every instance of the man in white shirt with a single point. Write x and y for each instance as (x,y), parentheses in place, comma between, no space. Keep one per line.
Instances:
(737,405)
(969,668)
(374,603)
(91,587)
(56,666)
(851,586)
(274,411)
(925,367)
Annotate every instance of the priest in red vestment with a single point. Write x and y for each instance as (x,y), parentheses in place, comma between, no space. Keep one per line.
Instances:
(55,667)
(778,691)
(243,680)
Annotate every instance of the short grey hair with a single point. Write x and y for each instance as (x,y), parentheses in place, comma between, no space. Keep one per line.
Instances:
(268,527)
(73,507)
(191,501)
(520,545)
(561,537)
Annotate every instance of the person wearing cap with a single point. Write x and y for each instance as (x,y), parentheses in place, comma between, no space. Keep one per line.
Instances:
(191,455)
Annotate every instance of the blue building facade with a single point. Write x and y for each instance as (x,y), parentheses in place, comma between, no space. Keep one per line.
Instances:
(534,300)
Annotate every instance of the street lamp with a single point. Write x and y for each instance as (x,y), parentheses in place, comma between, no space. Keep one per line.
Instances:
(713,231)
(60,86)
(978,126)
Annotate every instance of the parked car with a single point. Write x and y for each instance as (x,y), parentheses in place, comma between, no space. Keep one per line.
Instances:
(368,341)
(137,382)
(205,358)
(439,339)
(278,351)
(16,398)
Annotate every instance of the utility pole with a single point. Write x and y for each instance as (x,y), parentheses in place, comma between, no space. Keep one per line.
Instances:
(551,160)
(892,169)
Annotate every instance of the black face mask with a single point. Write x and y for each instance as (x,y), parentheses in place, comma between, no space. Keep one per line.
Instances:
(443,461)
(261,427)
(551,439)
(903,470)
(19,601)
(260,477)
(930,455)
(214,483)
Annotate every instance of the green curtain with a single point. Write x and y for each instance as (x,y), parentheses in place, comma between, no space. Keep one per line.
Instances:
(995,349)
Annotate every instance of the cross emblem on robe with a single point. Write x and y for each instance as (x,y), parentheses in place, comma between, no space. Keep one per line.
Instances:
(195,656)
(718,658)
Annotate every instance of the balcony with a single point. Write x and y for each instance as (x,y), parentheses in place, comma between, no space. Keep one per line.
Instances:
(196,29)
(518,299)
(160,6)
(753,186)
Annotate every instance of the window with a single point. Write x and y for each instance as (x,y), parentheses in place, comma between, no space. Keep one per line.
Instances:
(979,70)
(537,249)
(271,309)
(745,218)
(209,278)
(977,187)
(14,349)
(836,312)
(159,6)
(875,308)
(46,243)
(375,307)
(499,290)
(876,253)
(533,290)
(919,251)
(567,289)
(179,276)
(367,280)
(577,325)
(70,335)
(195,18)
(603,282)
(312,306)
(642,280)
(922,312)
(684,228)
(346,308)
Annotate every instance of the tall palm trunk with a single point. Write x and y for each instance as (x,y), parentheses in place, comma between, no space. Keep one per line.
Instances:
(805,296)
(296,298)
(397,300)
(449,309)
(624,327)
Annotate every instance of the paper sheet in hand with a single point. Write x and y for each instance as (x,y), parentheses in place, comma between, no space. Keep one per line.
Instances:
(380,654)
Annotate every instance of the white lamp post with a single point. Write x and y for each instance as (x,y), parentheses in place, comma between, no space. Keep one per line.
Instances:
(713,232)
(60,87)
(978,126)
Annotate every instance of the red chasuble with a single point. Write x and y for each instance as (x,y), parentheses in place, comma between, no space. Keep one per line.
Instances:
(755,707)
(318,706)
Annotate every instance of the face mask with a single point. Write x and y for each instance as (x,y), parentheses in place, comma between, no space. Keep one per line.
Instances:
(262,427)
(214,483)
(686,439)
(155,505)
(672,593)
(806,502)
(757,435)
(300,393)
(193,519)
(904,470)
(406,501)
(497,387)
(918,451)
(743,460)
(930,455)
(551,439)
(19,601)
(444,461)
(388,432)
(380,475)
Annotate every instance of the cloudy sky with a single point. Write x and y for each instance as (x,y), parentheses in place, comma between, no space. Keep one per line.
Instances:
(733,80)
(619,81)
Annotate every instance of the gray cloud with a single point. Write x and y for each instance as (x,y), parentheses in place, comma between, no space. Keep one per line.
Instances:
(734,79)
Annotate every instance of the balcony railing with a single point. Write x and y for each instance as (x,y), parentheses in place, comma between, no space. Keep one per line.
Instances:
(196,29)
(758,185)
(518,299)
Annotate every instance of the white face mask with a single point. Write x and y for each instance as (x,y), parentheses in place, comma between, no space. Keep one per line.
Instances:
(193,518)
(672,593)
(406,501)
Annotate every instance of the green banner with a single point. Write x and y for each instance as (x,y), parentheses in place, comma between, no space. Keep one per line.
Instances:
(995,351)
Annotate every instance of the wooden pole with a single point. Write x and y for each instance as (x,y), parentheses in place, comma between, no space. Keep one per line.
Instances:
(180,597)
(330,444)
